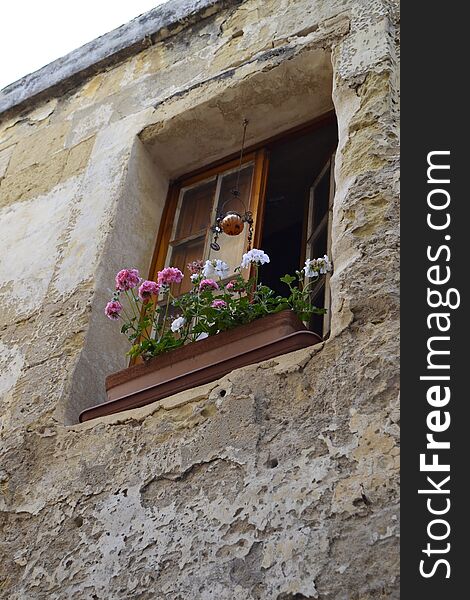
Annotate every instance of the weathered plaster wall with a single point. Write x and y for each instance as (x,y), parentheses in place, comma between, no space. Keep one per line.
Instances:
(279,481)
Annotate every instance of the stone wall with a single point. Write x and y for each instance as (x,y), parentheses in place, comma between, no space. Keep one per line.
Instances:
(279,481)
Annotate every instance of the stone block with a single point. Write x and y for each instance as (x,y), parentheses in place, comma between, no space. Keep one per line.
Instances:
(78,158)
(39,147)
(87,121)
(5,156)
(36,180)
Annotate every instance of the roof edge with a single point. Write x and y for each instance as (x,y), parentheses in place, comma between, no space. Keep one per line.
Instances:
(115,46)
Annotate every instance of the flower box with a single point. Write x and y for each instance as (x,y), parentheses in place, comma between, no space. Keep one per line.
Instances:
(202,362)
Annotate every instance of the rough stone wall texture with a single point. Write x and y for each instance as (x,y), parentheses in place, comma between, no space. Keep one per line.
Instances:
(281,480)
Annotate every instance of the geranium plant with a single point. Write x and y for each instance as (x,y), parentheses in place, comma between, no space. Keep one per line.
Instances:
(155,321)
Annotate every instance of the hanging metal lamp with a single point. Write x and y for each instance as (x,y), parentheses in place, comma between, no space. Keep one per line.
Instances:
(232,222)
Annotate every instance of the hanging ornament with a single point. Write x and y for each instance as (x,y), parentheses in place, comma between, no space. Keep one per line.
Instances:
(232,222)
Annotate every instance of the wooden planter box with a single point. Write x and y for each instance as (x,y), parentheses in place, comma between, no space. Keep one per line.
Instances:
(202,362)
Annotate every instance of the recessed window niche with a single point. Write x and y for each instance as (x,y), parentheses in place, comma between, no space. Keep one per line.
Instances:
(187,133)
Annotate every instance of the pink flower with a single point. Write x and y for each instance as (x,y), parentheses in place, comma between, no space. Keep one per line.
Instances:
(147,289)
(208,284)
(127,279)
(233,286)
(169,275)
(219,304)
(195,267)
(113,309)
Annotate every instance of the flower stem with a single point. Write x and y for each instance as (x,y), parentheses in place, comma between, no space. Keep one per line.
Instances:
(132,304)
(166,312)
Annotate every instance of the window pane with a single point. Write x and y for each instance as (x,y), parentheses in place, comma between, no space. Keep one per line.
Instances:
(317,241)
(227,201)
(181,256)
(233,247)
(319,246)
(195,209)
(322,196)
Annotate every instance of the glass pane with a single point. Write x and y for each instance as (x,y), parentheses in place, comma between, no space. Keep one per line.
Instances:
(319,247)
(233,247)
(322,196)
(195,209)
(181,256)
(317,242)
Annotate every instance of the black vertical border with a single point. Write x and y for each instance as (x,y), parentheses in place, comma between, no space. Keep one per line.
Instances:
(434,116)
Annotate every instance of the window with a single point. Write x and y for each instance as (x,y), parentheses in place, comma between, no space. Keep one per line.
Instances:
(192,207)
(287,184)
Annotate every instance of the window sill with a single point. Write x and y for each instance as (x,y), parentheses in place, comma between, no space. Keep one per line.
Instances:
(202,362)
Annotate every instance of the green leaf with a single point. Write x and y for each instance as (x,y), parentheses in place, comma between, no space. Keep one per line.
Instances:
(287,279)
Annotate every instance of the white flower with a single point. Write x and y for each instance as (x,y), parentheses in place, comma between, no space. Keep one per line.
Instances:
(326,265)
(195,277)
(254,256)
(177,324)
(310,268)
(208,270)
(317,266)
(215,267)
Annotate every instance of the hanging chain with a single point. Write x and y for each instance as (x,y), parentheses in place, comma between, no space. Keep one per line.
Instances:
(249,220)
(245,125)
(247,217)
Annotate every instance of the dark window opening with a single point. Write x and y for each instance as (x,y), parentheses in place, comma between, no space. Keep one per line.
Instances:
(297,207)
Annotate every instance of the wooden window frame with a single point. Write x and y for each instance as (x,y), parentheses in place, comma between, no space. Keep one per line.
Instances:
(313,230)
(260,154)
(259,158)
